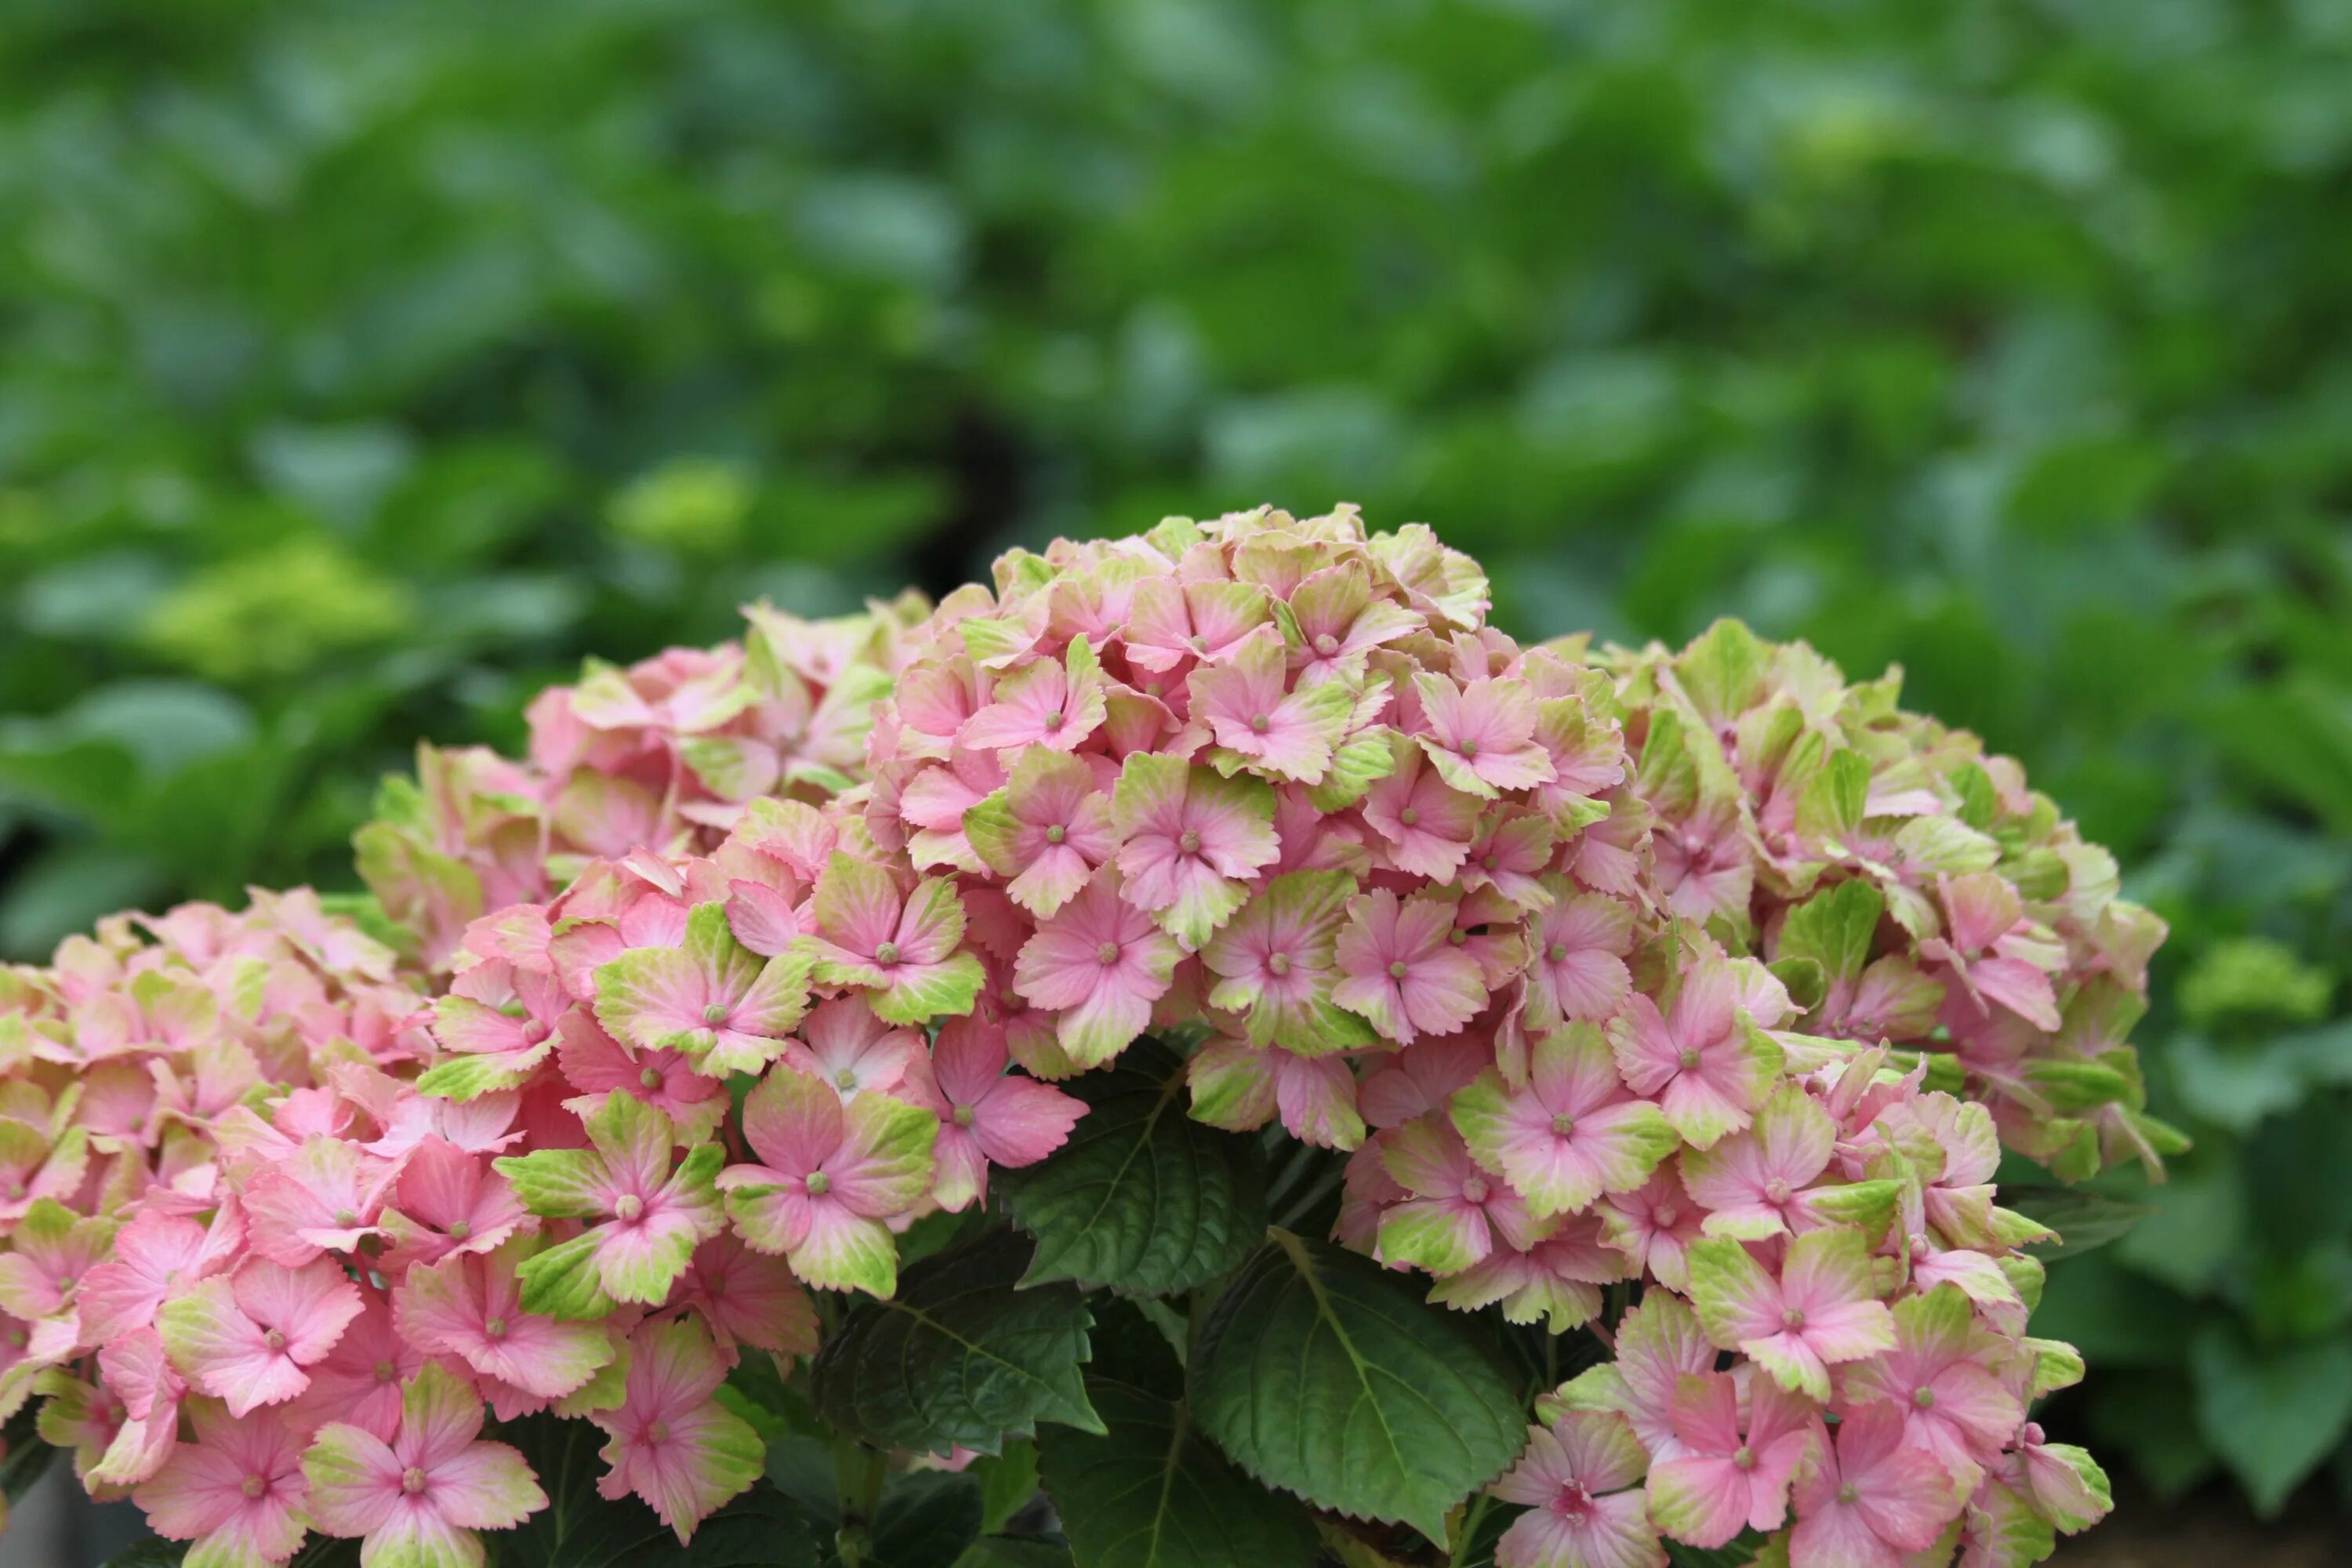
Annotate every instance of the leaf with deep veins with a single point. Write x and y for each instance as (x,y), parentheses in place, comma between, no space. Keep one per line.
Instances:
(1324,1375)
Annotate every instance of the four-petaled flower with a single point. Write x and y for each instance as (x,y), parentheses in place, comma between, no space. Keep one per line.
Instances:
(418,1498)
(832,1174)
(1576,1479)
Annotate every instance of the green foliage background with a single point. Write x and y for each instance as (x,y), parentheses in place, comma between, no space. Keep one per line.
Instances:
(363,366)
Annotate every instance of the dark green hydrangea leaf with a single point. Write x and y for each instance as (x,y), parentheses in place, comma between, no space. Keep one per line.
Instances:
(1142,1198)
(1013,1552)
(1151,1494)
(579,1529)
(1325,1374)
(961,1356)
(150,1555)
(925,1518)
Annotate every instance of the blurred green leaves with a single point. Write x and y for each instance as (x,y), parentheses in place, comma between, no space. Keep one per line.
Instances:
(361,368)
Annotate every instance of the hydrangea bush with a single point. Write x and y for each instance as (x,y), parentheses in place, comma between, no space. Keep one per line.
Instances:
(1173,1057)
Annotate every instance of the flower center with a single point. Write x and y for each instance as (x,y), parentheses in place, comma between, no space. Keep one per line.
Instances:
(1563,1124)
(1794,1318)
(1261,723)
(534,1032)
(1054,720)
(1469,748)
(715,1013)
(1474,1189)
(1744,1456)
(411,1480)
(887,952)
(275,1339)
(1106,954)
(818,1183)
(1924,1398)
(845,1078)
(1326,644)
(254,1484)
(1776,1192)
(1849,1494)
(15,1190)
(715,1286)
(1491,861)
(629,1207)
(1689,1059)
(1397,971)
(1918,1248)
(1278,963)
(1573,1501)
(385,1371)
(1197,642)
(1056,833)
(963,1114)
(1409,816)
(1457,936)
(650,1077)
(1557,952)
(16,1337)
(496,1328)
(1665,1217)
(658,1433)
(459,1230)
(1189,842)
(344,1220)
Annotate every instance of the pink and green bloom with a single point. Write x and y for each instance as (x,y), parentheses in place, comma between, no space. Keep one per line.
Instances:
(832,1175)
(1616,975)
(1047,830)
(1100,964)
(1821,1309)
(1738,1458)
(237,1494)
(710,999)
(1866,1500)
(1189,840)
(248,1339)
(669,1443)
(1707,1060)
(1453,1214)
(988,1116)
(1400,970)
(417,1500)
(1259,722)
(648,1217)
(1276,964)
(1579,1479)
(1571,1133)
(902,946)
(469,1307)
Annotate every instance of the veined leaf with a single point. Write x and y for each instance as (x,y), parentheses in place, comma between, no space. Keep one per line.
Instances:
(1323,1373)
(1151,1494)
(579,1529)
(960,1357)
(1142,1198)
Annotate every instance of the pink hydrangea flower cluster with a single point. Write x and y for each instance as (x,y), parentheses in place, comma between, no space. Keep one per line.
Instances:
(1699,978)
(286,1229)
(1614,968)
(663,755)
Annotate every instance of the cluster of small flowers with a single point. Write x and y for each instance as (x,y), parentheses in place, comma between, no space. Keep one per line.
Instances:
(664,755)
(1634,967)
(1631,969)
(280,1228)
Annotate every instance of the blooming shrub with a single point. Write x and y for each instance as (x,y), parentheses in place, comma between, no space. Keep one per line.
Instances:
(840,996)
